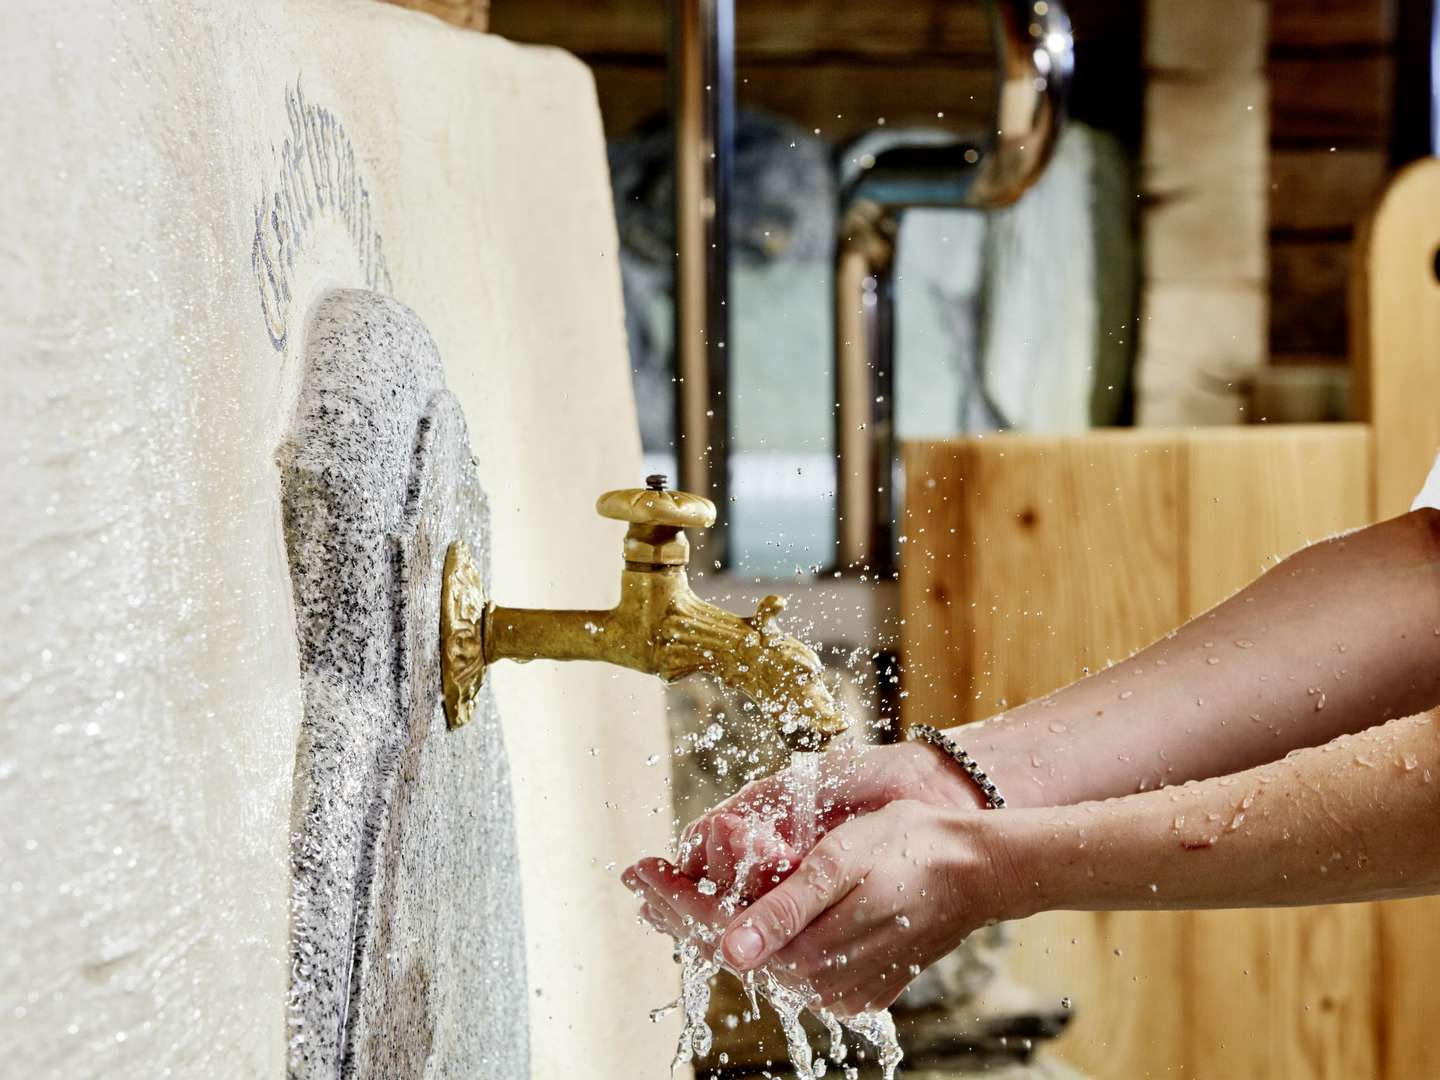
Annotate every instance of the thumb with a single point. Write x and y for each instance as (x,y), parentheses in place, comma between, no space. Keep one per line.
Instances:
(825,875)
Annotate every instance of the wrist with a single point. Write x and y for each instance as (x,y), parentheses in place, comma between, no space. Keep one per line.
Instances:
(996,850)
(941,781)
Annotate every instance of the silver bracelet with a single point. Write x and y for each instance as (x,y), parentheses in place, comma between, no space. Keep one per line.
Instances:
(935,737)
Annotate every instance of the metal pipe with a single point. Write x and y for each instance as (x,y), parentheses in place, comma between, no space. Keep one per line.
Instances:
(1035,59)
(702,111)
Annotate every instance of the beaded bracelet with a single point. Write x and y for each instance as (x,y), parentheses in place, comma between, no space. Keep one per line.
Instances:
(935,737)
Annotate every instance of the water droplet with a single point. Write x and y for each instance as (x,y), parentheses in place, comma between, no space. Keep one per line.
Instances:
(1244,644)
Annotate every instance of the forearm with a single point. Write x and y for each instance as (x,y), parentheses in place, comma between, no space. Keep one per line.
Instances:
(1358,819)
(1339,636)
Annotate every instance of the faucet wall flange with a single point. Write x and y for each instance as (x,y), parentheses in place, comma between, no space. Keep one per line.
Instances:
(462,634)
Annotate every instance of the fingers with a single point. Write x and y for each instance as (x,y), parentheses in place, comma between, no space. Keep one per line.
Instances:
(674,897)
(761,799)
(825,875)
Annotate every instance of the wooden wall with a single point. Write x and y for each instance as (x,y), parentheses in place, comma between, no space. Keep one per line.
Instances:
(1203,180)
(1030,558)
(1332,76)
(836,65)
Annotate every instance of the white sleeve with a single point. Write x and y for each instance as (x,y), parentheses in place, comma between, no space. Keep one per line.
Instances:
(1429,497)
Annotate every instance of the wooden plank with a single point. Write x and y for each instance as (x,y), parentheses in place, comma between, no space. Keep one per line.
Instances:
(1409,932)
(1125,975)
(1395,295)
(1218,37)
(1229,983)
(1331,101)
(1326,1013)
(841,98)
(1330,23)
(1323,189)
(1205,133)
(1301,483)
(1252,496)
(1014,547)
(467,14)
(799,28)
(1015,544)
(1308,288)
(1250,974)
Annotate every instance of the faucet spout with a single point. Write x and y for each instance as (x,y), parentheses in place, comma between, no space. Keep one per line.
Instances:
(659,626)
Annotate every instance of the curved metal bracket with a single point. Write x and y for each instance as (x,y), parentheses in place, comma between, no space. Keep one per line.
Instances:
(1035,59)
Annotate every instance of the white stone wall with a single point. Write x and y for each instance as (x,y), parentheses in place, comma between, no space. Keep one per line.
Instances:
(148,359)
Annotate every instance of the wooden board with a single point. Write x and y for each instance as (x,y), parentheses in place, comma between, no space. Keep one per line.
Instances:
(762,28)
(1308,286)
(1254,978)
(1028,558)
(1014,546)
(840,97)
(1008,538)
(1323,190)
(1331,100)
(1395,344)
(1329,23)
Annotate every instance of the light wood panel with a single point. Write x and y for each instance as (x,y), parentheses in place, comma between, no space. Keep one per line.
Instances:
(1273,993)
(1203,181)
(1395,345)
(1028,558)
(1009,538)
(1252,495)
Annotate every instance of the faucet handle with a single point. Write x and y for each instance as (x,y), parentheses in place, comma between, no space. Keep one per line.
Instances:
(649,506)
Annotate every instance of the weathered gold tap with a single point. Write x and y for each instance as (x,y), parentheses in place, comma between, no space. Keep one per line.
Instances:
(659,626)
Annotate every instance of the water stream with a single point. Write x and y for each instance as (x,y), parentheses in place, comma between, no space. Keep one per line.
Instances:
(700,960)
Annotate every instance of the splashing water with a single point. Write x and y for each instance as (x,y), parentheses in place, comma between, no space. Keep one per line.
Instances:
(700,959)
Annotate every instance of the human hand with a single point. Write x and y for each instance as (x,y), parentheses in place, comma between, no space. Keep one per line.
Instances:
(765,829)
(878,899)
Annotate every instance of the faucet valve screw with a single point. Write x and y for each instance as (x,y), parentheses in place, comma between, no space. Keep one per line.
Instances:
(656,481)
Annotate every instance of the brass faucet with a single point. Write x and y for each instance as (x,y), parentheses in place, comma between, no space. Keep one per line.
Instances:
(659,625)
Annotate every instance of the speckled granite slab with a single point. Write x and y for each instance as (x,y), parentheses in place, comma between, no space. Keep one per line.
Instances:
(407,932)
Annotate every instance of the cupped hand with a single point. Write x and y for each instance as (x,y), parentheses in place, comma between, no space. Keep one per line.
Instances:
(878,898)
(767,827)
